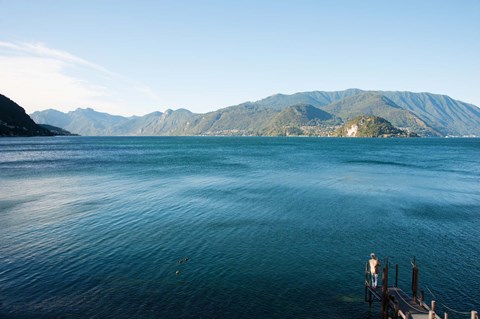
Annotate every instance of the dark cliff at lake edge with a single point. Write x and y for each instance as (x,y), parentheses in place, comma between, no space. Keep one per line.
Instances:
(15,122)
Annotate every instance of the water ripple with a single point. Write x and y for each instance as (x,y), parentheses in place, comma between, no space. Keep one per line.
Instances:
(101,227)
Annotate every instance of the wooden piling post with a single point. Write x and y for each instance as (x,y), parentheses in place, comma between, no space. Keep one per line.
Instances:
(414,282)
(474,315)
(384,292)
(385,296)
(396,276)
(431,315)
(433,305)
(386,273)
(445,315)
(413,276)
(422,297)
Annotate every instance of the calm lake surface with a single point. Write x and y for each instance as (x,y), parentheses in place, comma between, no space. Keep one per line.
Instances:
(94,227)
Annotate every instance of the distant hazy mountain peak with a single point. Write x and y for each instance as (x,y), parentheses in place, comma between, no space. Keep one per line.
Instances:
(183,110)
(85,109)
(156,113)
(272,96)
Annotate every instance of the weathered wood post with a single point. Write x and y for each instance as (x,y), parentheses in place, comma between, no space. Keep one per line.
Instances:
(431,314)
(474,315)
(384,292)
(414,280)
(385,275)
(432,309)
(413,275)
(396,276)
(445,315)
(422,297)
(386,295)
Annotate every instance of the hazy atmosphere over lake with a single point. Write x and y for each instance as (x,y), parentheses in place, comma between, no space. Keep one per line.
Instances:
(137,57)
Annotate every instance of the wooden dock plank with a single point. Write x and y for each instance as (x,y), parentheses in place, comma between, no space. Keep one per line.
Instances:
(406,305)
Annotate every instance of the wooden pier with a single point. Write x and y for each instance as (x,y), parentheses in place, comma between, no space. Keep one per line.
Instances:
(395,303)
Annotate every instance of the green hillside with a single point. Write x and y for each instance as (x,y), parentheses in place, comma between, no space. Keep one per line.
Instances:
(370,126)
(301,119)
(243,119)
(315,98)
(441,112)
(376,104)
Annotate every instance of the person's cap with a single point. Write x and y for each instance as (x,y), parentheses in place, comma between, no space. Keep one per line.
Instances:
(372,255)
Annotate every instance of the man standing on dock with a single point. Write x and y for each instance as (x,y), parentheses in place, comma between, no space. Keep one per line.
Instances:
(374,268)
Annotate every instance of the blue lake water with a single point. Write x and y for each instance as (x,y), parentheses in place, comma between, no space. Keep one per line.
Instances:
(98,227)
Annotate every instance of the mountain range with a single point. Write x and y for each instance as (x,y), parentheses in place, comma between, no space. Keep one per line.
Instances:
(316,113)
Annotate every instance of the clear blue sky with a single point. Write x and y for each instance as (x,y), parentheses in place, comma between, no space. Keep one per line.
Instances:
(135,57)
